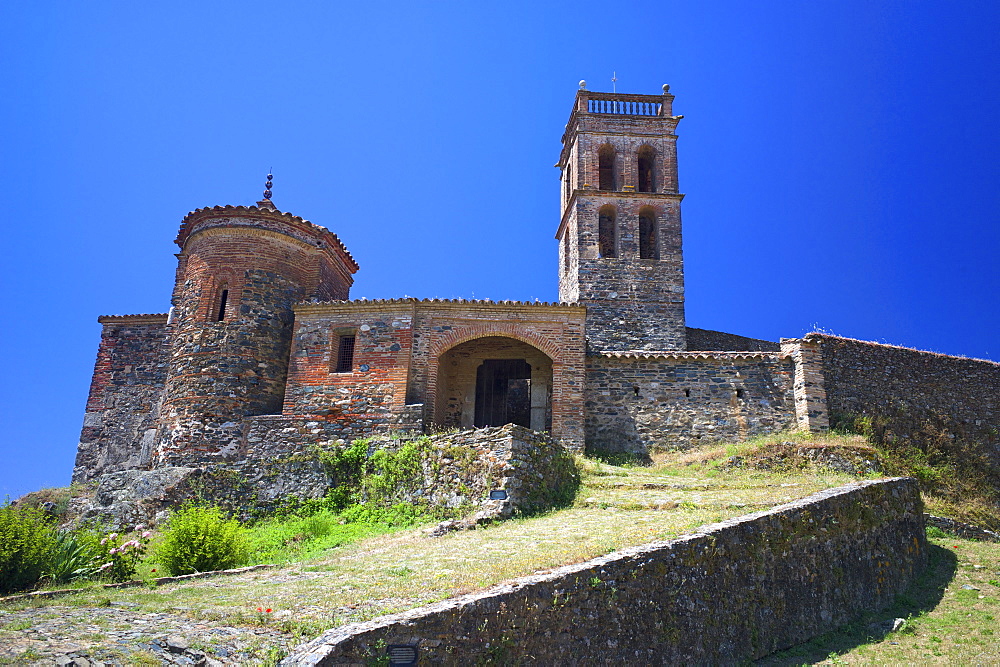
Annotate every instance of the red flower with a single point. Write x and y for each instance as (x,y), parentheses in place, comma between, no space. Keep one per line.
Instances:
(154,569)
(260,609)
(268,611)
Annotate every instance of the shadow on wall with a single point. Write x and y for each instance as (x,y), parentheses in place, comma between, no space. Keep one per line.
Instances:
(924,595)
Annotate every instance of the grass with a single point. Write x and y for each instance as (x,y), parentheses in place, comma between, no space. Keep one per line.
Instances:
(334,573)
(950,616)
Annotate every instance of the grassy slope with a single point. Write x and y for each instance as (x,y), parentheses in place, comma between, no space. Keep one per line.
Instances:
(616,507)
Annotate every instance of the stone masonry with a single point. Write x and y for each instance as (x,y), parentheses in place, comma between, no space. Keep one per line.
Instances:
(782,576)
(262,335)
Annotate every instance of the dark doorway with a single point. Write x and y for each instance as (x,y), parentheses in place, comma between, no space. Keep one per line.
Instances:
(503,393)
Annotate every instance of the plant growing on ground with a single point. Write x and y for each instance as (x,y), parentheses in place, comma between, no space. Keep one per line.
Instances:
(26,541)
(200,538)
(73,557)
(123,555)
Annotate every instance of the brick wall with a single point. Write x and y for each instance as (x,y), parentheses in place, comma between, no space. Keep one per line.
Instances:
(223,371)
(398,351)
(728,594)
(119,425)
(638,403)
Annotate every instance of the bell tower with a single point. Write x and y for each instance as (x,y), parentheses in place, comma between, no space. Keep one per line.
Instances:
(620,230)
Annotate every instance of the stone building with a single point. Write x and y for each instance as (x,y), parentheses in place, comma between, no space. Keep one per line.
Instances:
(262,338)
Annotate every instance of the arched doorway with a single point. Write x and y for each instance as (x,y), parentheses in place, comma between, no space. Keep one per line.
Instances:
(494,381)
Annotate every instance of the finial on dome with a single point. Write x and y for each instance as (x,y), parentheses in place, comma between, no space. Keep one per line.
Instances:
(266,201)
(583,85)
(666,88)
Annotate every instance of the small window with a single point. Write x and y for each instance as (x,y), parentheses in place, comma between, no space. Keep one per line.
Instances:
(606,232)
(220,313)
(345,354)
(648,247)
(645,160)
(606,167)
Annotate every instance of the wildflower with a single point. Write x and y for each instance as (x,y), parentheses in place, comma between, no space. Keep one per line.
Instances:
(113,551)
(146,534)
(260,609)
(140,526)
(112,536)
(268,610)
(105,566)
(153,570)
(104,541)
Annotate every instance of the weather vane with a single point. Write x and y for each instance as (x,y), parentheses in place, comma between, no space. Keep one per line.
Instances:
(267,186)
(614,82)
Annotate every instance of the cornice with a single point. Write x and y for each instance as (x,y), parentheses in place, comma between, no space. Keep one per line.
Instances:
(145,318)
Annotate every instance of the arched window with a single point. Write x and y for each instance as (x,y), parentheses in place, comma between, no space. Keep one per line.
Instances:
(606,232)
(648,245)
(646,161)
(606,167)
(220,302)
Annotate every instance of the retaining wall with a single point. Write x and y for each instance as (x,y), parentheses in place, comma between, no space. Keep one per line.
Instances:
(735,591)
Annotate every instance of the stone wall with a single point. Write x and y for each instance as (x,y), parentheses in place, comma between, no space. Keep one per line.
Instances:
(731,593)
(284,459)
(239,273)
(639,402)
(706,339)
(914,395)
(119,426)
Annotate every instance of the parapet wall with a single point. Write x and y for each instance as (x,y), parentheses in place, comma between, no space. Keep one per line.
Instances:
(913,395)
(734,592)
(639,402)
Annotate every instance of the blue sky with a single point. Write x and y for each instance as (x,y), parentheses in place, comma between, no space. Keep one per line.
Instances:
(839,160)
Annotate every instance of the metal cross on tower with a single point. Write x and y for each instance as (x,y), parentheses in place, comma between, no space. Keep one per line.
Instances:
(614,82)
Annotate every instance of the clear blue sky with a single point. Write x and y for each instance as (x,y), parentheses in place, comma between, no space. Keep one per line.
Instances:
(839,159)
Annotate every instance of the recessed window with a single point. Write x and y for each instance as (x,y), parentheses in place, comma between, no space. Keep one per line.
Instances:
(645,168)
(606,167)
(648,246)
(345,354)
(221,300)
(606,232)
(739,393)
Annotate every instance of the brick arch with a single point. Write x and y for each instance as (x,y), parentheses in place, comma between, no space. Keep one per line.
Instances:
(503,330)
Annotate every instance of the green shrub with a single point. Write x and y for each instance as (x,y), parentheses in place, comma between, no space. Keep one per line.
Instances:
(73,557)
(200,538)
(26,542)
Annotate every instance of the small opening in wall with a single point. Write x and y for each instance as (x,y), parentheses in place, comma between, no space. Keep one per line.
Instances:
(687,393)
(635,389)
(739,393)
(345,354)
(223,297)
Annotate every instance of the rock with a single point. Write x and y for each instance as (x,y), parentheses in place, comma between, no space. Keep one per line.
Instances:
(967,587)
(177,644)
